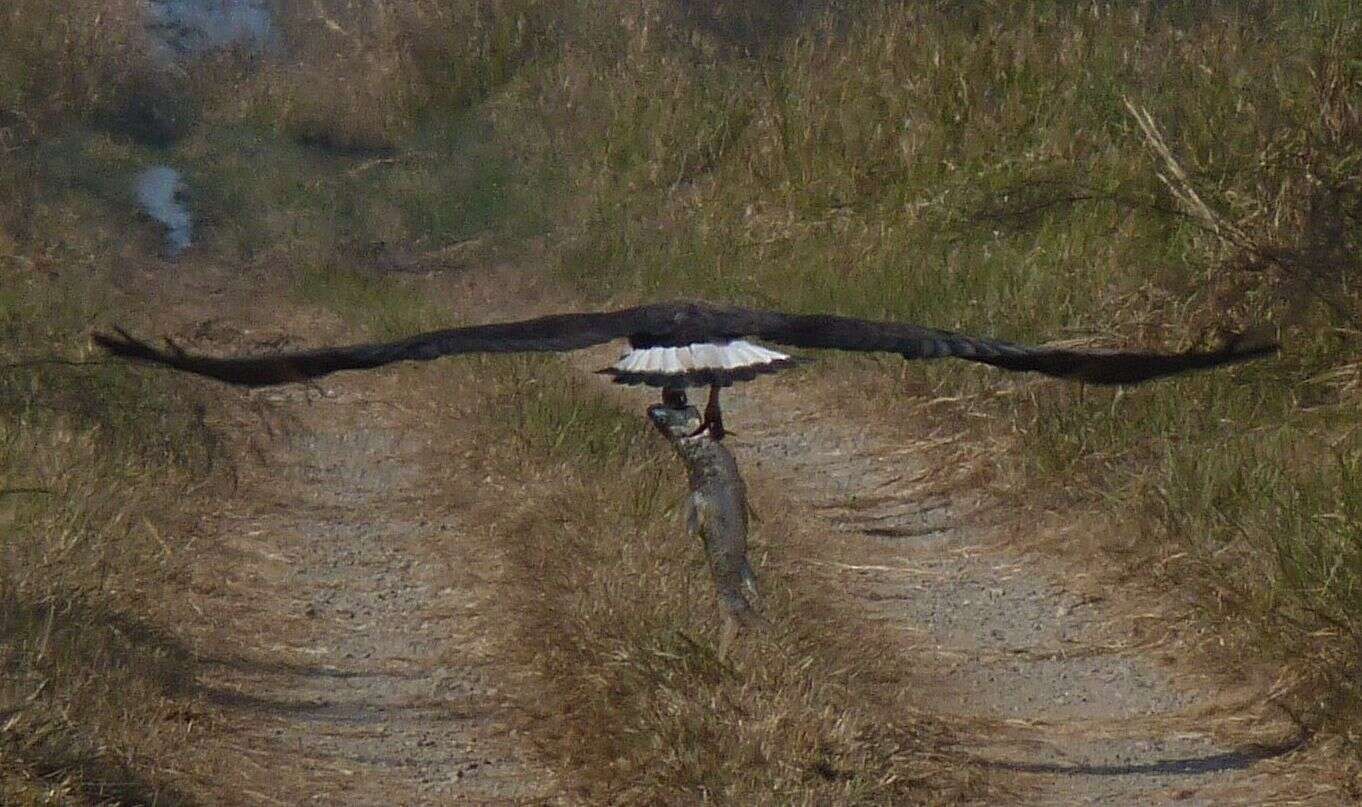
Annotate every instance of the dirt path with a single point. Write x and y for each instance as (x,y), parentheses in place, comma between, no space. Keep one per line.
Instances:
(364,680)
(1064,697)
(345,643)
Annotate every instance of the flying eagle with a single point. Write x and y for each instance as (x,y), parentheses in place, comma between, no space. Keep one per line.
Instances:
(682,344)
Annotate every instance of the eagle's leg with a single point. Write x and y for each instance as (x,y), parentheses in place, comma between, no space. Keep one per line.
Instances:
(714,418)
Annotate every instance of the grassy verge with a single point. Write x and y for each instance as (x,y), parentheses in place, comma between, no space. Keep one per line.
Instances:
(81,61)
(95,697)
(96,703)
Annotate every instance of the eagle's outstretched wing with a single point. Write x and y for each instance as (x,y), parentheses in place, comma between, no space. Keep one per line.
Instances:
(1095,366)
(666,325)
(552,333)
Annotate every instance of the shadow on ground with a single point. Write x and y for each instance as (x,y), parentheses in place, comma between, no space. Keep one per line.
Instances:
(1191,765)
(40,645)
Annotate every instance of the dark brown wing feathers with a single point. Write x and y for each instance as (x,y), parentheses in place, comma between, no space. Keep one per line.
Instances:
(553,333)
(1094,366)
(686,323)
(1117,367)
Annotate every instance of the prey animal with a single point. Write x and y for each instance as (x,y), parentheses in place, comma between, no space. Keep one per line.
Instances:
(716,509)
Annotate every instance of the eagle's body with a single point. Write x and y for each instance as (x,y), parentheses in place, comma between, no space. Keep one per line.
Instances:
(675,345)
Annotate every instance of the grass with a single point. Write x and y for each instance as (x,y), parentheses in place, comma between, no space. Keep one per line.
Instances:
(1155,174)
(614,611)
(95,700)
(82,60)
(1109,173)
(95,688)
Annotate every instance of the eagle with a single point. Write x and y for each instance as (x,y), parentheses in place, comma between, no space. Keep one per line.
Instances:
(676,345)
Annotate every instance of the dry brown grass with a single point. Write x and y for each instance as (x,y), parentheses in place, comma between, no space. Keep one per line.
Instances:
(63,61)
(365,77)
(93,460)
(610,605)
(93,688)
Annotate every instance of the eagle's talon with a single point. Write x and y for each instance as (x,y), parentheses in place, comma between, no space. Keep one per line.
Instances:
(713,419)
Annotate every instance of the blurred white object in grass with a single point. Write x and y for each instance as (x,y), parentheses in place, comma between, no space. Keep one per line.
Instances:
(160,192)
(192,27)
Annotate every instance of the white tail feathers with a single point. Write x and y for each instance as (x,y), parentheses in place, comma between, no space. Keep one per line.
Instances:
(735,355)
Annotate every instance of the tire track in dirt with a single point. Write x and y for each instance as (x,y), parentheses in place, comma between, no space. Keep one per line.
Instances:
(353,663)
(1064,699)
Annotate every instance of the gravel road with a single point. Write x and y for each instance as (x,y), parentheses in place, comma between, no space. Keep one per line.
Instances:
(354,664)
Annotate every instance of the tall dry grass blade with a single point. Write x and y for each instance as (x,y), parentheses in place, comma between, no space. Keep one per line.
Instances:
(1178,183)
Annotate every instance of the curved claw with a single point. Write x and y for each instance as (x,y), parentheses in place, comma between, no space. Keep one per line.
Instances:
(714,418)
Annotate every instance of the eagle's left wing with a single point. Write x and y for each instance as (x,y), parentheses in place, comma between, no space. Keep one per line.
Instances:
(915,342)
(552,333)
